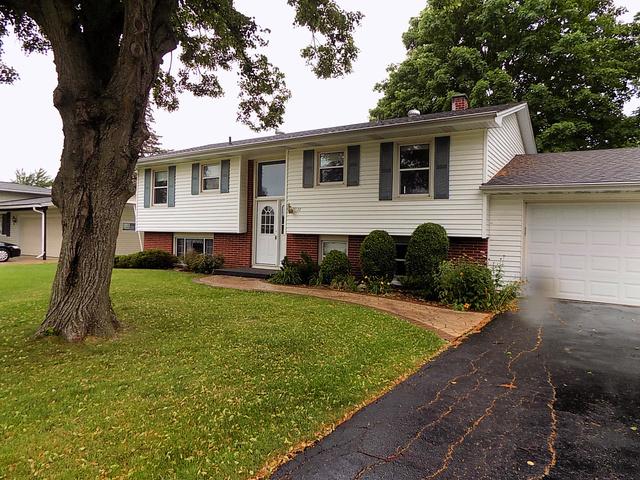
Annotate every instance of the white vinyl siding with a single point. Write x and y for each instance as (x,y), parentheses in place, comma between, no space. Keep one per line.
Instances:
(503,144)
(342,210)
(207,212)
(506,222)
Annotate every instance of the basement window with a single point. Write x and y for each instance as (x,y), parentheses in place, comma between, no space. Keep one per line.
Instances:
(185,245)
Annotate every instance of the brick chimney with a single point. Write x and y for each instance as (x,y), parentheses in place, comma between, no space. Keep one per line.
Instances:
(459,102)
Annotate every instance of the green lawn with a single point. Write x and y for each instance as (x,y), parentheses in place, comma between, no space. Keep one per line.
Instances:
(202,383)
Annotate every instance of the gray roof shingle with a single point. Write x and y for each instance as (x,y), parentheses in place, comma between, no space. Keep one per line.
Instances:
(26,202)
(274,139)
(17,187)
(613,166)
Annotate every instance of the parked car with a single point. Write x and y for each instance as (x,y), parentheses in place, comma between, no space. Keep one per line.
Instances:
(8,250)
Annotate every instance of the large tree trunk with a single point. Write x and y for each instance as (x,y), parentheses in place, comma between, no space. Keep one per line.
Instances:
(91,190)
(102,95)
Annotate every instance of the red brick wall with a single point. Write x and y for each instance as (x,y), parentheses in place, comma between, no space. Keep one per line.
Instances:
(158,240)
(353,251)
(472,247)
(236,247)
(296,244)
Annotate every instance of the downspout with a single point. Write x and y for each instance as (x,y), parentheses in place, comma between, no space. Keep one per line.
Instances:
(135,219)
(43,232)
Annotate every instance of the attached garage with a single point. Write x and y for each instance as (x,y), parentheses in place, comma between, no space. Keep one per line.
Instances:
(584,251)
(569,224)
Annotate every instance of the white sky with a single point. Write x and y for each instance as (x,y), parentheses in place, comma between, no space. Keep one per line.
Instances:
(31,130)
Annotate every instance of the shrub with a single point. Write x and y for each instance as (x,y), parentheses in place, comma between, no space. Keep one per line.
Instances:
(307,269)
(147,259)
(304,272)
(289,273)
(203,263)
(378,255)
(466,284)
(427,249)
(335,264)
(345,282)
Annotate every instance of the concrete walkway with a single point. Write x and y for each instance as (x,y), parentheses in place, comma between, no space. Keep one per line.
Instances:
(449,324)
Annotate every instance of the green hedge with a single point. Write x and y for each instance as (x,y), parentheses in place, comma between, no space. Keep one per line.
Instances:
(378,255)
(428,247)
(148,259)
(335,264)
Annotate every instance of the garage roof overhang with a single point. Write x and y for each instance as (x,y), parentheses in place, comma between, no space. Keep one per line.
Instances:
(556,188)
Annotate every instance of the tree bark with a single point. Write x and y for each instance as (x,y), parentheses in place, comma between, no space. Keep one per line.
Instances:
(103,116)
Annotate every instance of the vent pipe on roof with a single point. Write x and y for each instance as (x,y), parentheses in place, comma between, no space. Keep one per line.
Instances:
(413,112)
(229,140)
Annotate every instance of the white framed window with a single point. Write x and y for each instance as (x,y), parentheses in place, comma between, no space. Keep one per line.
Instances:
(128,226)
(331,166)
(160,187)
(185,245)
(211,177)
(328,244)
(414,164)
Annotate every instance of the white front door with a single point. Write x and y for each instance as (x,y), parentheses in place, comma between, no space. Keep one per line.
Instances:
(585,251)
(267,232)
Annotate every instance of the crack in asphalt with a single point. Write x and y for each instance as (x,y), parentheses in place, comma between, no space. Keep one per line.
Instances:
(403,448)
(487,412)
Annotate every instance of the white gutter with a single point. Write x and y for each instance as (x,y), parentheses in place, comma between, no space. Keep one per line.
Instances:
(43,233)
(135,219)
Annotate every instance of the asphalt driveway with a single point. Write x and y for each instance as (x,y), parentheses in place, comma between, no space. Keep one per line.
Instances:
(552,391)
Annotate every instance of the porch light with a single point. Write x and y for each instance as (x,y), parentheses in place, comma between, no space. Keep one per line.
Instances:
(14,219)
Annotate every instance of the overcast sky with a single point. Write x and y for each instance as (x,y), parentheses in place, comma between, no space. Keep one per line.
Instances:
(31,130)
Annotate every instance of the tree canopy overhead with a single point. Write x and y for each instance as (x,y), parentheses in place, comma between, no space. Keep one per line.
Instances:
(109,58)
(574,61)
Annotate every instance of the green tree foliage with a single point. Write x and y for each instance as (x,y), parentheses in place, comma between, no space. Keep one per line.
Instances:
(37,178)
(111,56)
(574,61)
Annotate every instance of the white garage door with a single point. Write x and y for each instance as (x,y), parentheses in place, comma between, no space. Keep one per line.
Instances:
(585,251)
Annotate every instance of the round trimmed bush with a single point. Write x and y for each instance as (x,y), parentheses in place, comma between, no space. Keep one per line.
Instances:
(427,249)
(335,264)
(378,255)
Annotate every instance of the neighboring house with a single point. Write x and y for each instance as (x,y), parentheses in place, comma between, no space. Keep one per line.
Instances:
(255,201)
(29,217)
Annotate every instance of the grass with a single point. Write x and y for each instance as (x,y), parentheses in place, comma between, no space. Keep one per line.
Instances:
(202,382)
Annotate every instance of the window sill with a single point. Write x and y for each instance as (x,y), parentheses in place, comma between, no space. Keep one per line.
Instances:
(408,197)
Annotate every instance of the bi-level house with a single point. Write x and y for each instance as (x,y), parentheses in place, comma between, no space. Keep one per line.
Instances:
(472,170)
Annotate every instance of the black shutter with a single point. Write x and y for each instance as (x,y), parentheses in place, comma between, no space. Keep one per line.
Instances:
(6,224)
(225,168)
(353,165)
(147,187)
(308,168)
(441,178)
(171,184)
(386,171)
(195,178)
